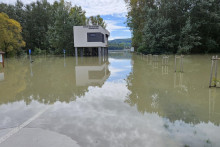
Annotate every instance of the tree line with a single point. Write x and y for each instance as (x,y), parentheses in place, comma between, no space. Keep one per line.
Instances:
(174,26)
(45,28)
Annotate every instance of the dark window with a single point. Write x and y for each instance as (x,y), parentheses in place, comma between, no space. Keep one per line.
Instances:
(92,35)
(95,37)
(103,39)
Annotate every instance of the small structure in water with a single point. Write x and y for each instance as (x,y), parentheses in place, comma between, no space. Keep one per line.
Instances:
(165,60)
(181,62)
(91,40)
(2,58)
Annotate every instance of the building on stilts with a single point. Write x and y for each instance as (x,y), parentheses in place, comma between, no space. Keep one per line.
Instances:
(90,41)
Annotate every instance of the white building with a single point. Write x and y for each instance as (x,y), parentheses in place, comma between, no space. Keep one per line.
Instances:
(91,40)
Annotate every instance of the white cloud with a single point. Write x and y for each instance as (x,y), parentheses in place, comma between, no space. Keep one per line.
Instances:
(119,37)
(102,7)
(112,25)
(92,7)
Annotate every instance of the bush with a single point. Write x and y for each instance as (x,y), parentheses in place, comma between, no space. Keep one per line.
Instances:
(21,53)
(38,51)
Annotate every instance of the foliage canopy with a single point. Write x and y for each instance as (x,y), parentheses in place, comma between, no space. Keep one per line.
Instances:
(10,34)
(48,28)
(174,26)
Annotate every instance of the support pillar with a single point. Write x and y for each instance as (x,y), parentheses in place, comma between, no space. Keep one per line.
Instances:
(99,53)
(76,52)
(103,57)
(103,51)
(216,70)
(81,52)
(92,51)
(76,55)
(104,54)
(107,51)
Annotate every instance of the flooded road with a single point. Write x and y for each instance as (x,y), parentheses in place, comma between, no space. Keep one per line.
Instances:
(124,100)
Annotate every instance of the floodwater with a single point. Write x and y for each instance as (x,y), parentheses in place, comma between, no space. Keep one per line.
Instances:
(125,100)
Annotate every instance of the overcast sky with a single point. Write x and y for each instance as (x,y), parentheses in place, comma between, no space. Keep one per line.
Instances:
(113,11)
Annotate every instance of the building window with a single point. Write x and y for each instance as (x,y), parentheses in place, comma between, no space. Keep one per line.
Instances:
(95,37)
(103,39)
(92,35)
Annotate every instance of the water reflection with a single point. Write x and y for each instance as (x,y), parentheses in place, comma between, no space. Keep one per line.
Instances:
(176,96)
(94,74)
(165,69)
(2,75)
(212,105)
(155,65)
(178,82)
(120,102)
(64,64)
(49,80)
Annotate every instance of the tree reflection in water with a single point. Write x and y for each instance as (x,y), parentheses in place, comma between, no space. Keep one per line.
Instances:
(176,96)
(51,80)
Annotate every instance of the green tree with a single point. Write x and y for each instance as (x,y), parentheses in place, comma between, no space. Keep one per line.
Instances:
(157,33)
(48,27)
(38,18)
(96,20)
(135,19)
(10,34)
(60,34)
(160,26)
(188,39)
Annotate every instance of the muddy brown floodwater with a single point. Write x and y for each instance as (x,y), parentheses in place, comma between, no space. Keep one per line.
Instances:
(126,100)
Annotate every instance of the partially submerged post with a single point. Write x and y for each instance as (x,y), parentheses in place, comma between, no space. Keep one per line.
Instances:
(165,60)
(181,62)
(29,51)
(165,68)
(155,63)
(214,63)
(2,58)
(155,58)
(149,56)
(64,55)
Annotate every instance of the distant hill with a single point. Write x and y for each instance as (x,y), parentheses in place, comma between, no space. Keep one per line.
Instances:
(119,44)
(121,41)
